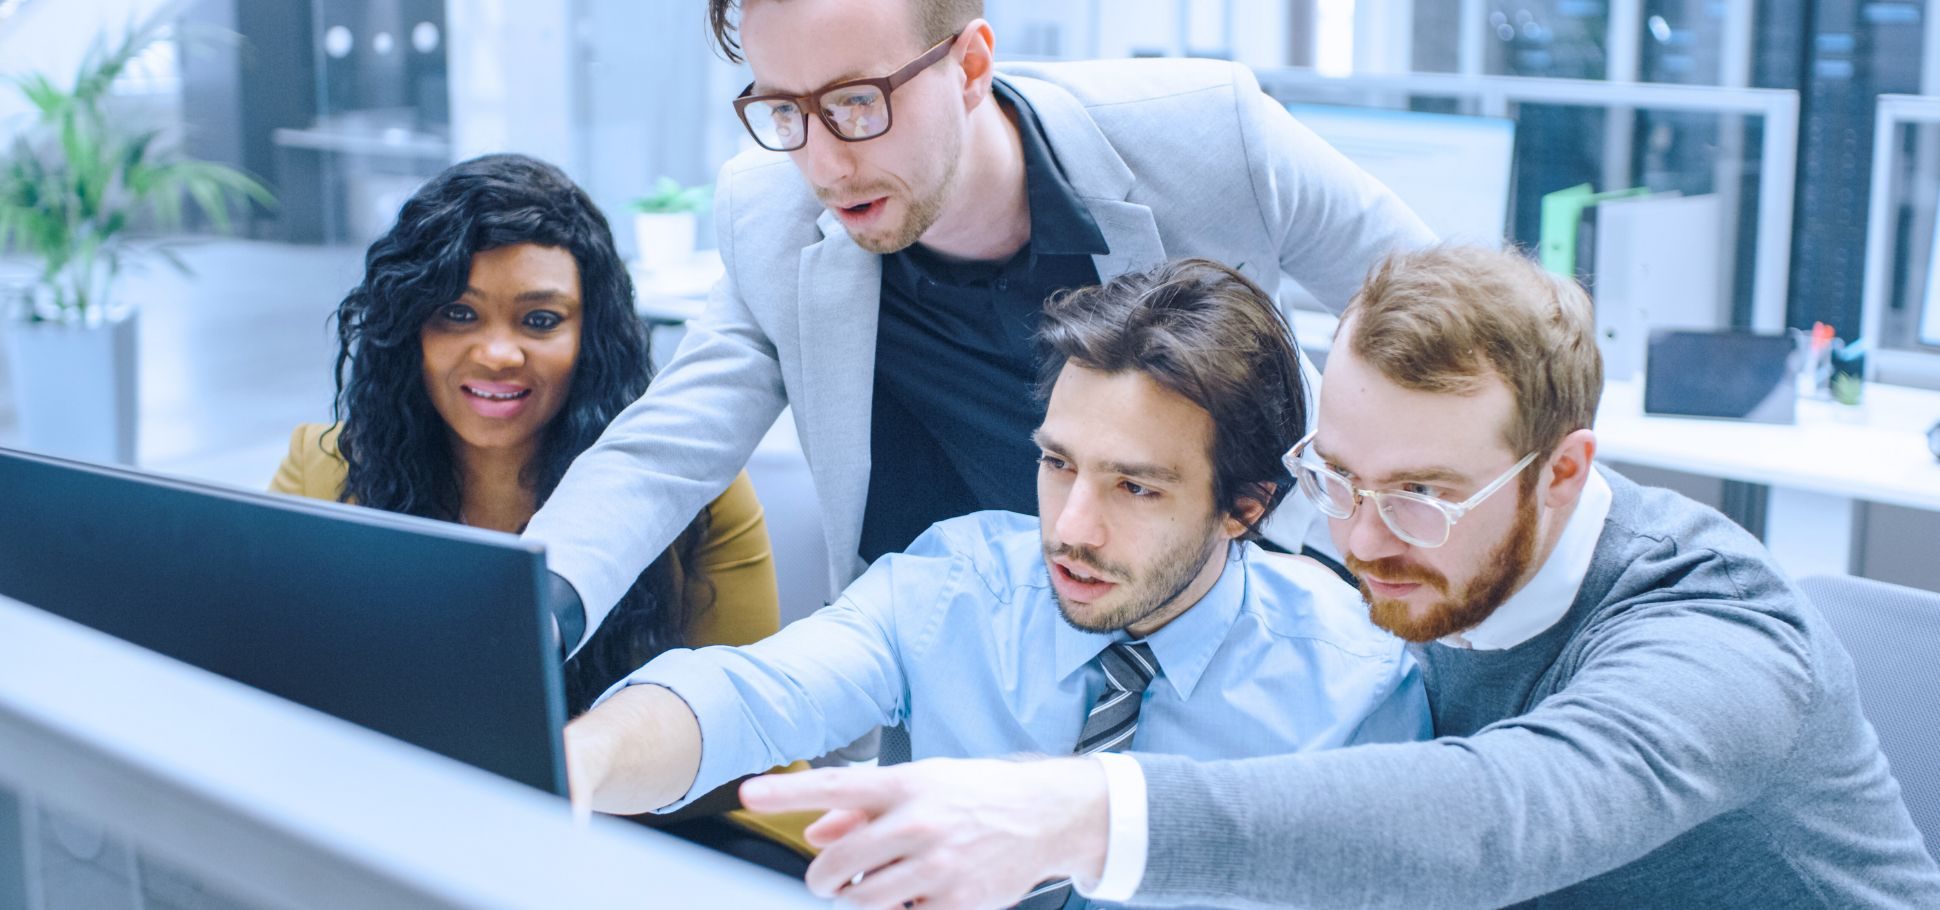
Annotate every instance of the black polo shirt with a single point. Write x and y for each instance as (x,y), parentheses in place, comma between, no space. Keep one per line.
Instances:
(956,367)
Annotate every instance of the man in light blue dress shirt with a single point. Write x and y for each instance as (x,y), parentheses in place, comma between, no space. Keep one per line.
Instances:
(1172,394)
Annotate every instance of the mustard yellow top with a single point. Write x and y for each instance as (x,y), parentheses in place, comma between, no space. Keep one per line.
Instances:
(735,556)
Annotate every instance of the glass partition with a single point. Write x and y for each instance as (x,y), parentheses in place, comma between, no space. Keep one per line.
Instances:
(383,112)
(1679,148)
(1901,307)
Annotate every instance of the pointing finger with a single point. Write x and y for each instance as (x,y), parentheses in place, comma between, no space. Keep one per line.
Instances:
(870,791)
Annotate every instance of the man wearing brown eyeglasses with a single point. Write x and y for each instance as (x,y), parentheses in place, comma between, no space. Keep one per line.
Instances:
(890,248)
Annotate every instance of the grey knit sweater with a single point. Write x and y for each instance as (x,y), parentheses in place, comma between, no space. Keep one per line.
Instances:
(1689,735)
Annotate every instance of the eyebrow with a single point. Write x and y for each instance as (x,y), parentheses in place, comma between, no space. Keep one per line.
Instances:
(1157,472)
(846,76)
(541,295)
(1423,474)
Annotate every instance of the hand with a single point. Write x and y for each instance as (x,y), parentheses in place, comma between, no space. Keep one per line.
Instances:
(948,834)
(635,752)
(585,771)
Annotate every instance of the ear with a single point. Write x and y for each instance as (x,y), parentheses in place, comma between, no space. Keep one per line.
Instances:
(1248,512)
(976,49)
(1568,469)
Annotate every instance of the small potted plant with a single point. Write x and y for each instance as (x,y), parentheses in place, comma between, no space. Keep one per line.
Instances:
(75,187)
(664,222)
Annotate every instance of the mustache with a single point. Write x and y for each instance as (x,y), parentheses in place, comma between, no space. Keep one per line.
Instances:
(1397,570)
(828,194)
(1089,557)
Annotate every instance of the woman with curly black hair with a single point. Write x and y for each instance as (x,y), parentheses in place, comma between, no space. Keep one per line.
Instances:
(490,342)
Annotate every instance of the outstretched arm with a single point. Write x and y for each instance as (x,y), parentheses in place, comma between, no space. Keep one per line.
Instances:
(1333,221)
(670,453)
(636,752)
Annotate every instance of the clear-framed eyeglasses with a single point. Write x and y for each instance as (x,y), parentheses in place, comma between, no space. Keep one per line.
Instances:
(1418,519)
(854,110)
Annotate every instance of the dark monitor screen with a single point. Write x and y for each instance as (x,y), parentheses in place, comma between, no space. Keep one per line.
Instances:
(1725,374)
(426,631)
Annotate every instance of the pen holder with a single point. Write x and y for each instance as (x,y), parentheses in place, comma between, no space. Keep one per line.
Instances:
(1848,373)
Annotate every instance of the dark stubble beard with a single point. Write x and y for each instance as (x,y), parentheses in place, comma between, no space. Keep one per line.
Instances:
(1504,568)
(923,211)
(1150,592)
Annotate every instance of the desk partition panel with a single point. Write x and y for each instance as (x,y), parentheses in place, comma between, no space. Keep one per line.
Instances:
(143,782)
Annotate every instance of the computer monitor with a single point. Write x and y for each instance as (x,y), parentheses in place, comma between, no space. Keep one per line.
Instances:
(430,632)
(1452,169)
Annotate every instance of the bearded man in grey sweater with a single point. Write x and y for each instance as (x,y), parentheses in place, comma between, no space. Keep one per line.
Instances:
(1635,707)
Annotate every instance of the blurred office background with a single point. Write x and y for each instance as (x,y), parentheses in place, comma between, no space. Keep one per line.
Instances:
(1764,115)
(1791,147)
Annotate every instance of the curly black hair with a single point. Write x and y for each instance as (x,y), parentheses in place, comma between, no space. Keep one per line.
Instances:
(396,445)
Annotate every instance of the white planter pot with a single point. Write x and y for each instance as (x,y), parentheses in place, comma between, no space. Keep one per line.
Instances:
(74,387)
(664,238)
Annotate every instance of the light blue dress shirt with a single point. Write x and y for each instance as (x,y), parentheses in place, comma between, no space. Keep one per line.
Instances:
(960,637)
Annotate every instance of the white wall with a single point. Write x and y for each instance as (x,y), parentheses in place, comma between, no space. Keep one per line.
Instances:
(52,36)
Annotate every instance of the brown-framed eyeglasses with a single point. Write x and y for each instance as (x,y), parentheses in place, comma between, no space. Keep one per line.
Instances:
(853,111)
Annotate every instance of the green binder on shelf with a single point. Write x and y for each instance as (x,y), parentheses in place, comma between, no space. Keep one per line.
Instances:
(1562,215)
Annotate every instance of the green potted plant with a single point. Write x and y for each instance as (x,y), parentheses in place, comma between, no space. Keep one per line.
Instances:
(75,188)
(665,220)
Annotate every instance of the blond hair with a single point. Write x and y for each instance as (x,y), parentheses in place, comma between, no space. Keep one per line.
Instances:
(1447,318)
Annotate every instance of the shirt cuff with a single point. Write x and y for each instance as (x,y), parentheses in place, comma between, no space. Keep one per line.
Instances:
(1127,837)
(711,697)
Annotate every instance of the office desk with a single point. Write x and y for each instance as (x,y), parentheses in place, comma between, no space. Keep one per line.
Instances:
(674,294)
(1820,471)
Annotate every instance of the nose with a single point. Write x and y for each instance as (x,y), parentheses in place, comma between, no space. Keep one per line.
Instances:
(827,161)
(1081,522)
(498,351)
(1368,537)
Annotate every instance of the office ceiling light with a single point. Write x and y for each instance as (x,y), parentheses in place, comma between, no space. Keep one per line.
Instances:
(337,42)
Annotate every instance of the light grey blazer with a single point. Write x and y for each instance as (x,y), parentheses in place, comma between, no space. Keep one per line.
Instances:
(1172,158)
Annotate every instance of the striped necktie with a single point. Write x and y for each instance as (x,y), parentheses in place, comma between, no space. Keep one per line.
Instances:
(1129,668)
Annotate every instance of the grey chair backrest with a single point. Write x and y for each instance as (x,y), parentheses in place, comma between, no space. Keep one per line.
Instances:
(1893,634)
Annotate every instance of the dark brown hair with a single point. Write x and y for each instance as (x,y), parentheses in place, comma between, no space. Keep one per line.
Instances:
(1209,334)
(935,21)
(1447,318)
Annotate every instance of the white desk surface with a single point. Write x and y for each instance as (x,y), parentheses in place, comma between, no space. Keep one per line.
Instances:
(677,292)
(1875,451)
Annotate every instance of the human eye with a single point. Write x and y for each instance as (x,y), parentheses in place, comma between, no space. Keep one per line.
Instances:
(543,320)
(456,312)
(1321,466)
(1053,462)
(1138,490)
(1428,490)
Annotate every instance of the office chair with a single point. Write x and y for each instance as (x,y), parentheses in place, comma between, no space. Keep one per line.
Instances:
(1893,634)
